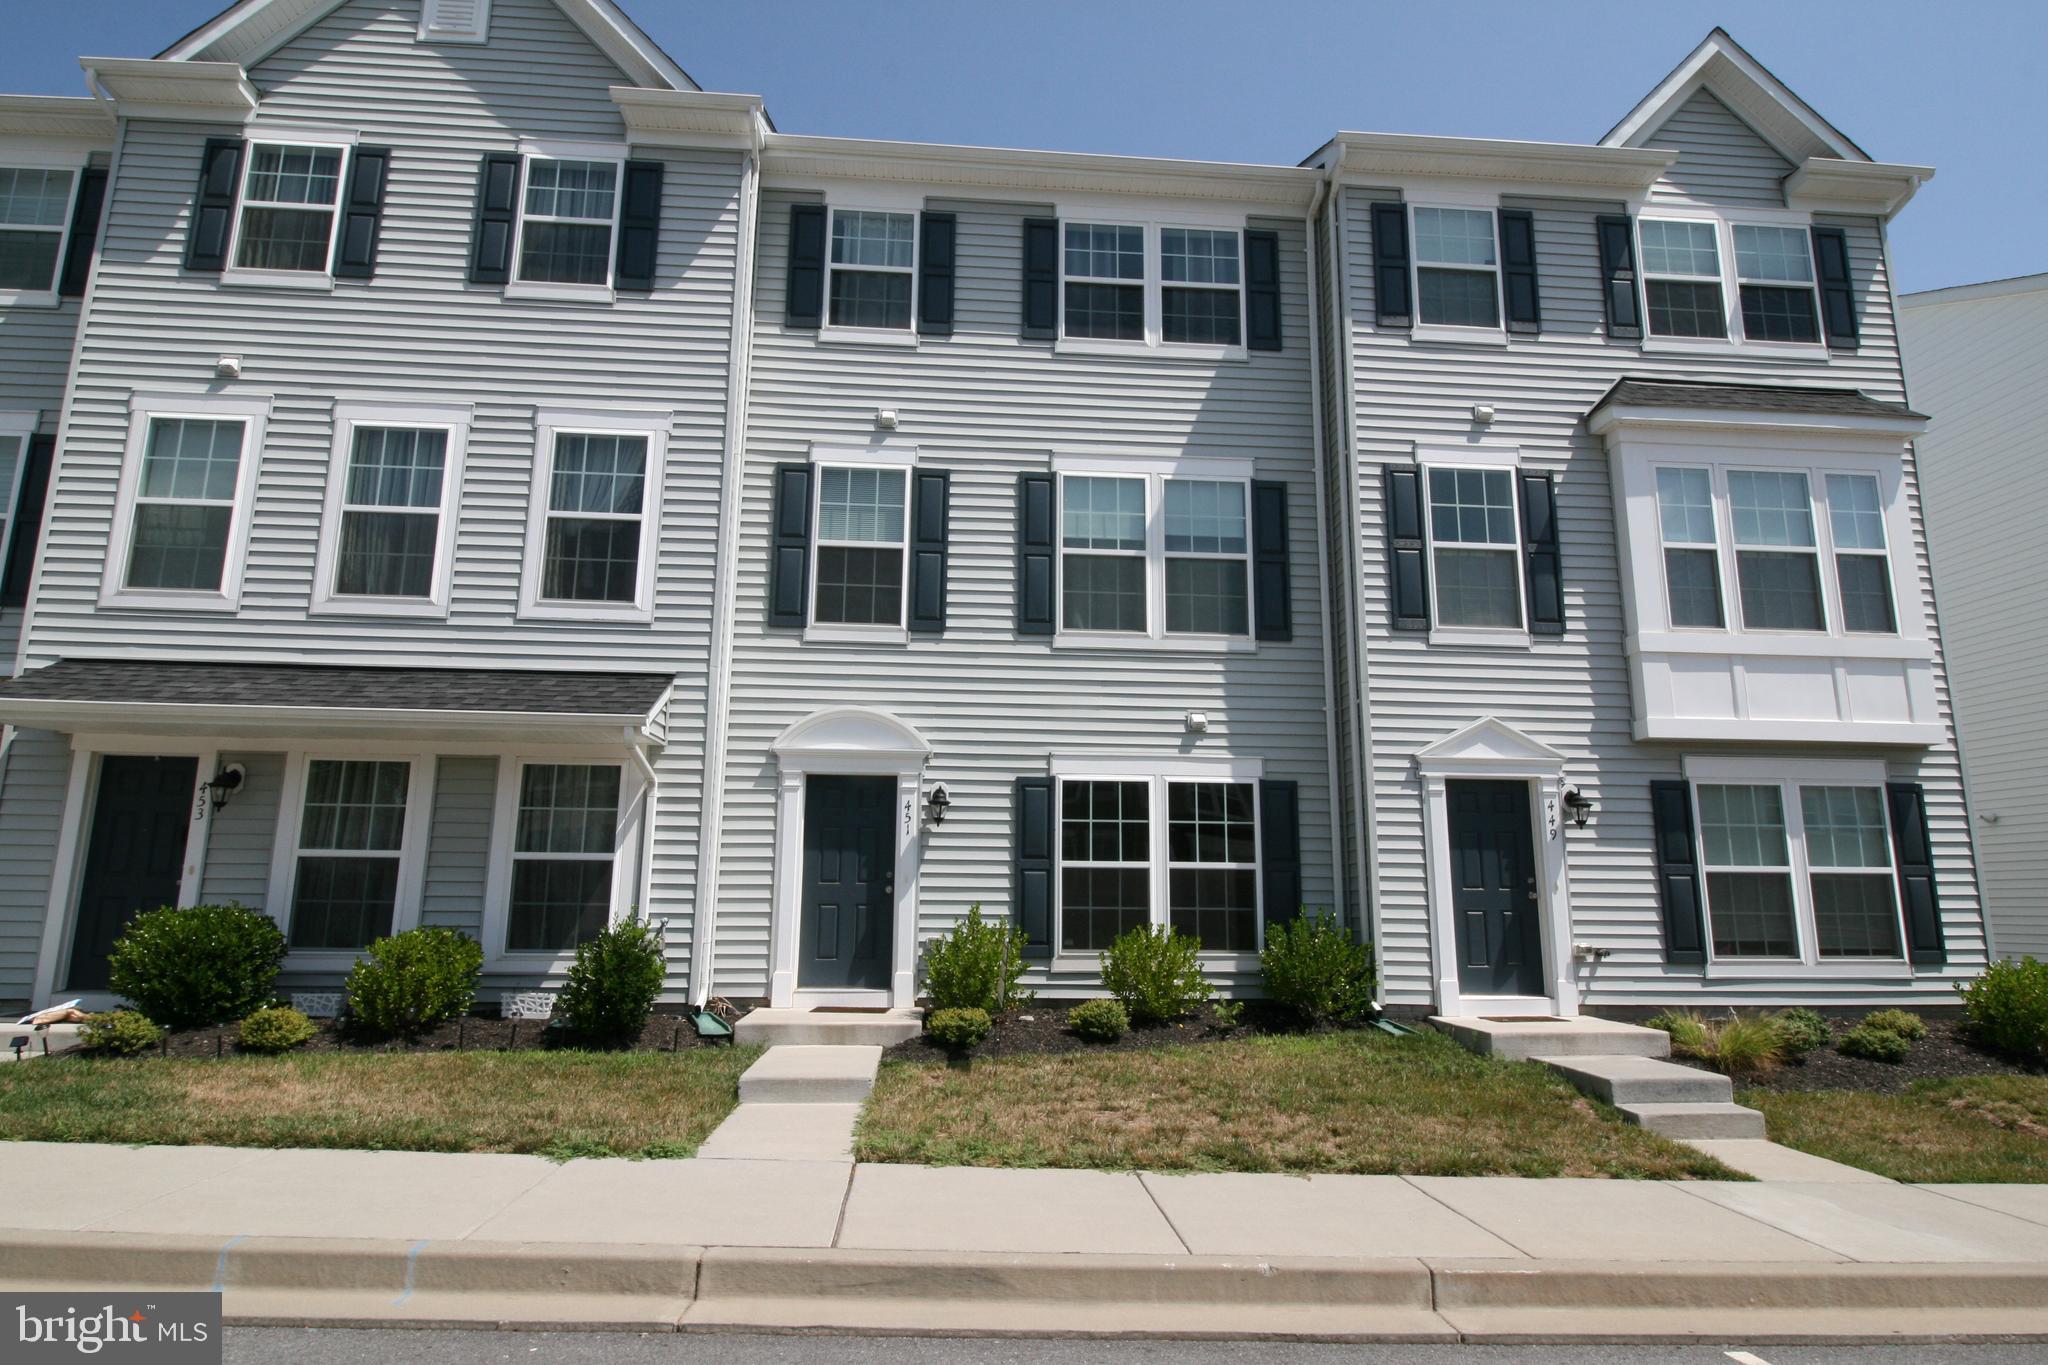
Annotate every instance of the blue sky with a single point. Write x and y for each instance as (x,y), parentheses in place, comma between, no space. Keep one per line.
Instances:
(1954,85)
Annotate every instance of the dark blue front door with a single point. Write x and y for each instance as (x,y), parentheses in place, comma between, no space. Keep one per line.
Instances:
(849,883)
(134,858)
(1493,889)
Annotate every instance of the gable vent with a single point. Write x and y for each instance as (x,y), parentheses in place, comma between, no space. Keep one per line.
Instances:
(455,21)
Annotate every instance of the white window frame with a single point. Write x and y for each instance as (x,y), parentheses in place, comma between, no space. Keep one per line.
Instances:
(17,425)
(1812,285)
(1156,262)
(1723,245)
(1729,280)
(1836,551)
(1494,462)
(1713,547)
(1416,265)
(144,411)
(1255,866)
(550,423)
(860,630)
(1817,511)
(412,852)
(326,140)
(849,331)
(1154,472)
(529,153)
(1150,220)
(626,864)
(451,419)
(38,159)
(1789,776)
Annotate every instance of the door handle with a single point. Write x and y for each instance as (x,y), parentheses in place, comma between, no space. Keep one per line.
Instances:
(1532,895)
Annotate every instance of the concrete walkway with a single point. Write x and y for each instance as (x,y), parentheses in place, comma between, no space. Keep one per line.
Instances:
(386,1237)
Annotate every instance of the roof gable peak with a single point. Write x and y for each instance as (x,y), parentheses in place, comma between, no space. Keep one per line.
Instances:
(1724,68)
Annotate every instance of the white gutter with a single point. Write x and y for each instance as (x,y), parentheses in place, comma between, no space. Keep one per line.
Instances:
(1315,390)
(718,683)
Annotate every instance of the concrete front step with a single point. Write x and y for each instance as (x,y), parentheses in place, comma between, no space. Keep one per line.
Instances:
(1642,1080)
(1519,1040)
(784,1132)
(1716,1121)
(803,1074)
(827,1028)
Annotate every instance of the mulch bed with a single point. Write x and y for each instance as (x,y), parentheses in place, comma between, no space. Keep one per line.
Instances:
(1041,1029)
(664,1033)
(1945,1053)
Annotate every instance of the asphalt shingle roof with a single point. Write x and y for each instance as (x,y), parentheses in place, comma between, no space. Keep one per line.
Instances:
(1633,392)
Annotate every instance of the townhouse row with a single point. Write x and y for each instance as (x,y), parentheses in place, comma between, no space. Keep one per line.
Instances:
(464,473)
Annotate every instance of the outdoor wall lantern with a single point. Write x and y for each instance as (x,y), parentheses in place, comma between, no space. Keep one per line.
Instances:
(225,784)
(937,804)
(1578,805)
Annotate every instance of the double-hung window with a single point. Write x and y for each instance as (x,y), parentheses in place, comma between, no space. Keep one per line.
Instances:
(1105,281)
(564,849)
(1774,276)
(1105,861)
(1160,851)
(1776,562)
(1103,544)
(1862,566)
(1212,862)
(351,847)
(1208,558)
(1682,277)
(396,473)
(1155,555)
(873,263)
(16,428)
(1457,269)
(1475,546)
(290,194)
(862,555)
(35,215)
(594,528)
(1200,298)
(1692,557)
(186,486)
(569,212)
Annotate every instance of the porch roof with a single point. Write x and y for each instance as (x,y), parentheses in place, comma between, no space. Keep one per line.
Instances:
(1636,392)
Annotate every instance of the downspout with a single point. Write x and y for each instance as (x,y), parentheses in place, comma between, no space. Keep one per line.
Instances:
(718,683)
(1315,389)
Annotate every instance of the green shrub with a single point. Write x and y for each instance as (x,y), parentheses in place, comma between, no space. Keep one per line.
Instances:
(1905,1023)
(275,1030)
(1229,1014)
(119,1033)
(1804,1031)
(1689,1032)
(1156,975)
(412,981)
(1099,1021)
(1735,1046)
(613,984)
(2008,1007)
(976,966)
(197,966)
(1874,1044)
(958,1029)
(1316,968)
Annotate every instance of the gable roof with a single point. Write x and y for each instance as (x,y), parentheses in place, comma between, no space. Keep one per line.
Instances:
(249,30)
(1748,88)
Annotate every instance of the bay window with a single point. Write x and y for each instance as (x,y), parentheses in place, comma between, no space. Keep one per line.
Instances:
(1692,562)
(1862,566)
(1776,562)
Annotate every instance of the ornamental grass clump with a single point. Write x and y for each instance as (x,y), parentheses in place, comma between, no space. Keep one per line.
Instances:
(197,965)
(1156,974)
(1735,1046)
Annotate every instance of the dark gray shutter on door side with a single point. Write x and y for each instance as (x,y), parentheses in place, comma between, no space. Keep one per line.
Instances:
(789,565)
(1678,874)
(1261,290)
(639,226)
(1541,563)
(930,492)
(1041,278)
(1915,855)
(213,208)
(497,210)
(936,232)
(1618,276)
(362,213)
(25,525)
(1524,308)
(1390,265)
(1272,595)
(1031,896)
(1280,850)
(803,302)
(1037,555)
(85,232)
(1407,551)
(1837,286)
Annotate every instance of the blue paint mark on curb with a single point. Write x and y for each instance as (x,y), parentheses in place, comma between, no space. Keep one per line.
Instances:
(412,1260)
(220,1267)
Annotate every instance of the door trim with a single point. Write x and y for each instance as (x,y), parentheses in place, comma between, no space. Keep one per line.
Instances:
(1492,749)
(849,741)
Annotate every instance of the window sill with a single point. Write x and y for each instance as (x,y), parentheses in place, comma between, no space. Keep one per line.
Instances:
(560,293)
(1480,639)
(1787,350)
(310,281)
(1889,969)
(1442,334)
(1163,350)
(1183,644)
(131,599)
(1789,646)
(29,298)
(835,634)
(869,336)
(590,613)
(374,606)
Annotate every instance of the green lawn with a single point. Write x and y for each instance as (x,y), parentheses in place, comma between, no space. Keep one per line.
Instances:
(558,1104)
(1992,1129)
(1352,1102)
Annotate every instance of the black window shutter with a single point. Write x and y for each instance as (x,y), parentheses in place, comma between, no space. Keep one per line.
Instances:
(213,210)
(362,214)
(1262,290)
(1041,278)
(1678,874)
(789,567)
(1390,265)
(1518,270)
(930,491)
(497,208)
(804,297)
(32,492)
(639,226)
(1280,850)
(1407,551)
(1837,288)
(1540,559)
(1037,555)
(1618,275)
(1031,898)
(85,231)
(1272,595)
(935,274)
(1915,855)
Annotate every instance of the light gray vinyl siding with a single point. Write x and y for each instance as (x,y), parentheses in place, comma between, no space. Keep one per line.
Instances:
(1573,692)
(243,835)
(458,855)
(1974,364)
(32,782)
(1721,159)
(989,406)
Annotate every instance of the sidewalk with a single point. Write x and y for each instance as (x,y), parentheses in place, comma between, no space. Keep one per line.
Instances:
(423,1238)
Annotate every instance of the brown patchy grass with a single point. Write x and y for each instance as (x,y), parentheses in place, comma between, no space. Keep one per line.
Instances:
(1354,1102)
(557,1104)
(1988,1129)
